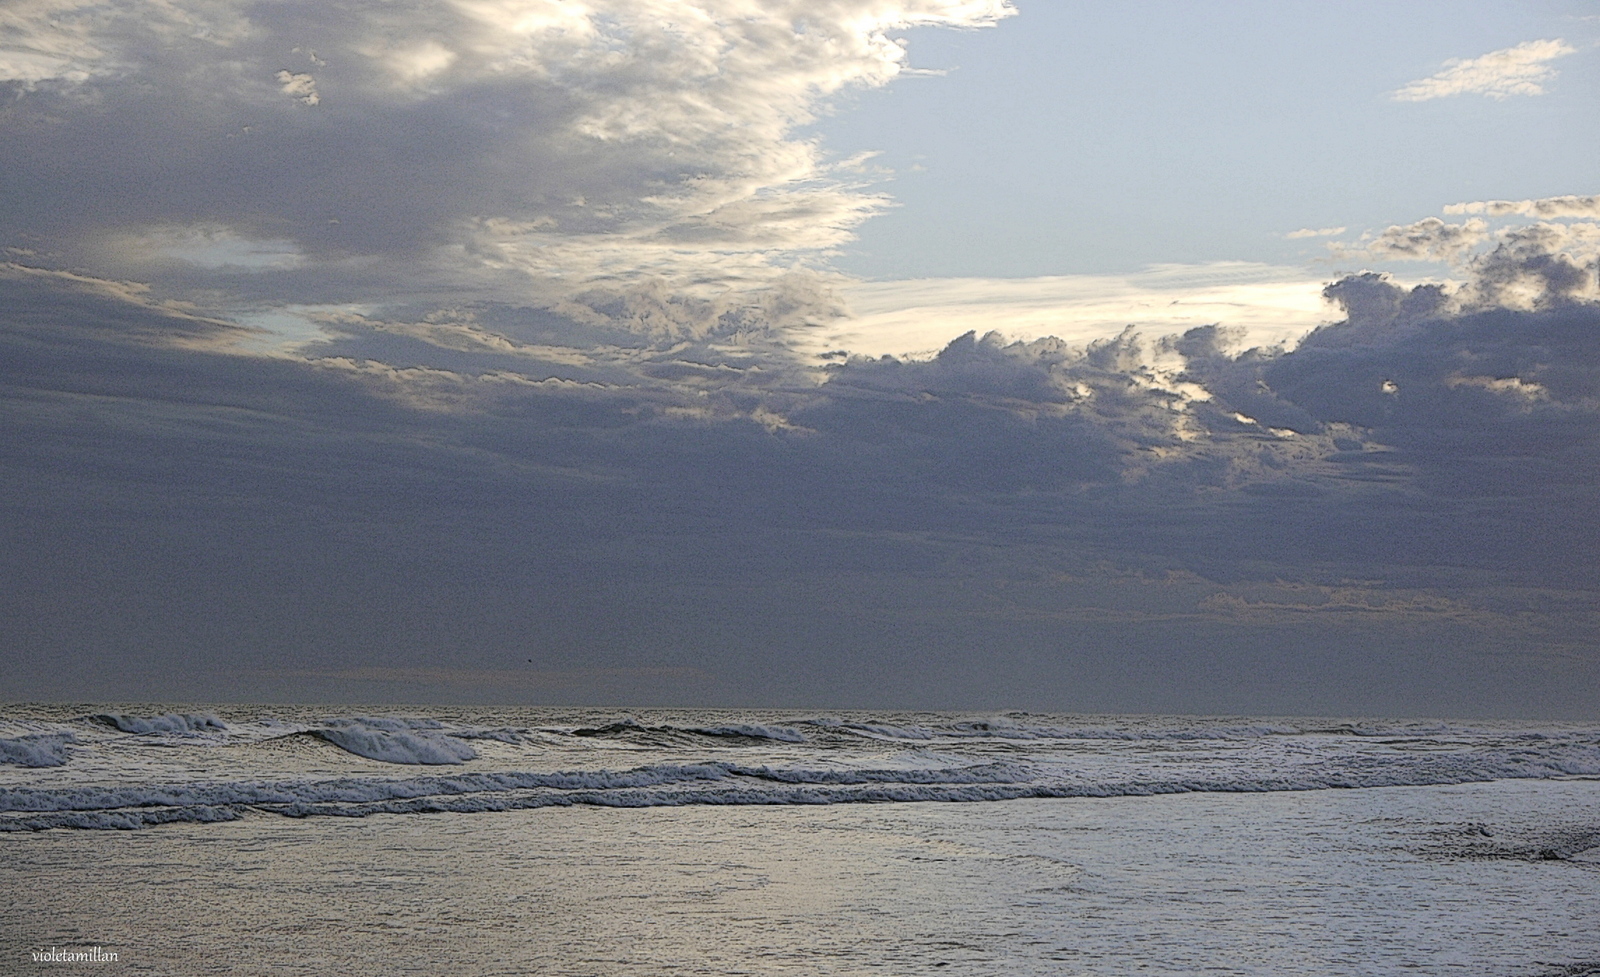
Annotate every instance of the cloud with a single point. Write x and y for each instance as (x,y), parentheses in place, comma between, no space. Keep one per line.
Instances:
(1306,232)
(520,343)
(46,40)
(301,87)
(50,304)
(1519,70)
(1528,266)
(442,492)
(1546,207)
(209,247)
(527,150)
(1539,265)
(1429,239)
(486,680)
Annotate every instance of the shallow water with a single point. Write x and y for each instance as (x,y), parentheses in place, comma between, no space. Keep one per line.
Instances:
(1495,875)
(1379,882)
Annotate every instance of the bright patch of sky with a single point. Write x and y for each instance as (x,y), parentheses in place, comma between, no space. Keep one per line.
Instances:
(288,329)
(1269,305)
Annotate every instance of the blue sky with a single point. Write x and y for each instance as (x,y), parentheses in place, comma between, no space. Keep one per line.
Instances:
(1084,138)
(817,353)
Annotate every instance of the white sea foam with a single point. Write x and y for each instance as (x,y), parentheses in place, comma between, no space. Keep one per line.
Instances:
(164,723)
(36,750)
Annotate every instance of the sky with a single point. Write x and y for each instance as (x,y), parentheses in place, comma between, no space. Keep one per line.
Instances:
(942,354)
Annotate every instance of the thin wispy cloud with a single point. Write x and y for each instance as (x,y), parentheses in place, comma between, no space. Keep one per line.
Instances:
(1307,232)
(1520,70)
(1545,207)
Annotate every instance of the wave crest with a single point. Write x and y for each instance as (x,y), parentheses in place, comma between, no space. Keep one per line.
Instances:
(395,741)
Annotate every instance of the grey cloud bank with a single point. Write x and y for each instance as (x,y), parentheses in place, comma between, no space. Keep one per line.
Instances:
(457,352)
(1396,516)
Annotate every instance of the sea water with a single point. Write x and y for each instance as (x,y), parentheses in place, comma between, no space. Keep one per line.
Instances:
(294,840)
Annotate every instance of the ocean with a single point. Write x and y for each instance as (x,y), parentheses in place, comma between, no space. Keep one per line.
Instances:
(328,841)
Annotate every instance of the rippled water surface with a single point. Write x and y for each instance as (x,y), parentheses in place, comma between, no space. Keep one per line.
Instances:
(303,841)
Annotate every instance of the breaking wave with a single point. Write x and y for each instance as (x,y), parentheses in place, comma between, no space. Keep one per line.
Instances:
(396,741)
(90,771)
(164,723)
(36,750)
(722,783)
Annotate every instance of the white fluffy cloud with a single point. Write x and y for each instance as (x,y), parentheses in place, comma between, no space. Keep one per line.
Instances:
(1519,70)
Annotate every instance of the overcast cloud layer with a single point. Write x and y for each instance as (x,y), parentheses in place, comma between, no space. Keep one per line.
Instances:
(483,351)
